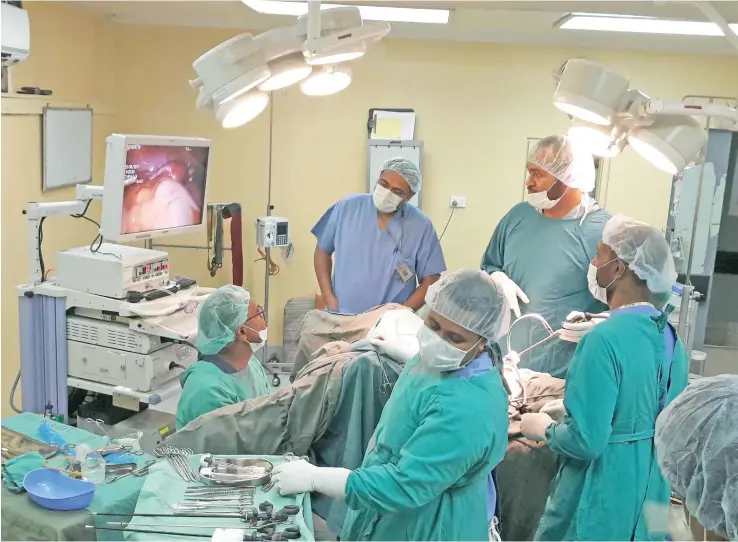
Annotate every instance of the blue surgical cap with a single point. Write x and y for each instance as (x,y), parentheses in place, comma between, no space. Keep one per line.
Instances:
(222,313)
(697,449)
(644,249)
(470,299)
(408,170)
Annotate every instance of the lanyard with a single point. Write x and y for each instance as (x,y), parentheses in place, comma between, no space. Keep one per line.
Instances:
(398,244)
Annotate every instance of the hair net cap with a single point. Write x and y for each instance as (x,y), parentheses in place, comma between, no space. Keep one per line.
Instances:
(570,163)
(407,169)
(644,249)
(697,449)
(470,299)
(219,317)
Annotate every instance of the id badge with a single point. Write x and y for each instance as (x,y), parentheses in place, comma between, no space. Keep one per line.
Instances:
(404,272)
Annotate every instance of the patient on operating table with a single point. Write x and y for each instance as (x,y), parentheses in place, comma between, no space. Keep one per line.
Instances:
(231,328)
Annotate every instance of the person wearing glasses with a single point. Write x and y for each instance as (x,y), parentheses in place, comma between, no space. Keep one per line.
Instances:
(378,248)
(230,328)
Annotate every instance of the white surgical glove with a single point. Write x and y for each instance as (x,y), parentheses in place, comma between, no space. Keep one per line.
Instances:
(533,426)
(555,409)
(510,290)
(293,477)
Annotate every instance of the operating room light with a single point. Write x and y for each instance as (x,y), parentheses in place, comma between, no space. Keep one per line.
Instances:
(369,13)
(670,143)
(598,140)
(590,92)
(641,25)
(239,111)
(285,72)
(328,80)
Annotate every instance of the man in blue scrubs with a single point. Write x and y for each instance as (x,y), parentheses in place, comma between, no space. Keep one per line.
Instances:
(386,250)
(541,249)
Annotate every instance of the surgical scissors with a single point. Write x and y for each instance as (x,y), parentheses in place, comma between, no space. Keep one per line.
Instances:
(141,471)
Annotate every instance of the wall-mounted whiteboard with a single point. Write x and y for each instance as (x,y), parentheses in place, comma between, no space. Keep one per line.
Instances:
(379,151)
(67,147)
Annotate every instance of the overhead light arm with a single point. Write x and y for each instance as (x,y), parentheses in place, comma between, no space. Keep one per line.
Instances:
(711,13)
(660,107)
(313,20)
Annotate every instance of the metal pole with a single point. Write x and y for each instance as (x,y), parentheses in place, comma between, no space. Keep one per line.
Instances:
(684,307)
(193,247)
(267,251)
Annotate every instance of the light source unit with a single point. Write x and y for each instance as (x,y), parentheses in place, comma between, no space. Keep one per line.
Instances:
(590,92)
(286,72)
(328,80)
(604,141)
(670,143)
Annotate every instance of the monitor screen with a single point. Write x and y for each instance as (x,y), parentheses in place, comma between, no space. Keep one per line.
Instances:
(164,187)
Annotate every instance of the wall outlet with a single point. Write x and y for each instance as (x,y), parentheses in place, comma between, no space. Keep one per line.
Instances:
(458,202)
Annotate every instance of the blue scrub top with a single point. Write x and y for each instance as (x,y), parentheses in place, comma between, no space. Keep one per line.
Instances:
(478,366)
(366,258)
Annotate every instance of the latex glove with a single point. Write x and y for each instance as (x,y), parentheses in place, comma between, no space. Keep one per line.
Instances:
(555,409)
(510,290)
(401,349)
(533,426)
(293,477)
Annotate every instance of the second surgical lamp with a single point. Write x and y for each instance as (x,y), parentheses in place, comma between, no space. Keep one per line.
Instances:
(610,114)
(235,77)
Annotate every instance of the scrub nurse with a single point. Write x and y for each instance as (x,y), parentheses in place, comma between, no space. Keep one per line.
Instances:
(427,472)
(230,328)
(384,249)
(624,372)
(697,447)
(540,250)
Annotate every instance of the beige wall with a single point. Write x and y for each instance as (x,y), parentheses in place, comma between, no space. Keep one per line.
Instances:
(476,105)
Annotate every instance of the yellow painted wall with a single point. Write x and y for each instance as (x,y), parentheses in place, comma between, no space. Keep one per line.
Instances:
(476,104)
(68,55)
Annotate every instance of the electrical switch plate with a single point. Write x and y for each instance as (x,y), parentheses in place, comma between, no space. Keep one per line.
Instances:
(458,202)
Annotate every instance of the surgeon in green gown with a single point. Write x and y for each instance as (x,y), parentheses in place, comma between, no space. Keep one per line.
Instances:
(427,472)
(230,328)
(625,371)
(540,250)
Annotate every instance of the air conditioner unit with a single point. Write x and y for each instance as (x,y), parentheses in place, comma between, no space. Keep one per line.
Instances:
(15,38)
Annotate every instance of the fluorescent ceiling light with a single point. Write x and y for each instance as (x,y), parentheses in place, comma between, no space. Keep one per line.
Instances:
(642,25)
(370,13)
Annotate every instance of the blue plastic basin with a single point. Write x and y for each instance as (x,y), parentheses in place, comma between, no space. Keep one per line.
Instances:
(54,490)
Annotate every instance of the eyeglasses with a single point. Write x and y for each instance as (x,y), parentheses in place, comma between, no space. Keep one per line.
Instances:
(396,191)
(259,312)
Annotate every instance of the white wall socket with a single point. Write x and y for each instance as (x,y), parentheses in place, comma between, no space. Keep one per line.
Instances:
(458,202)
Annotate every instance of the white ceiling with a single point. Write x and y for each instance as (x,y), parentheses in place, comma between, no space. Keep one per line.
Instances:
(522,21)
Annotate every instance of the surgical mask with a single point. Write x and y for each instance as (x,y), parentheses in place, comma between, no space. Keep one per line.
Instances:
(384,200)
(263,336)
(541,201)
(597,291)
(438,354)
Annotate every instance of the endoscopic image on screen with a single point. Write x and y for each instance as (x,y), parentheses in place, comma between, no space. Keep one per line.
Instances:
(164,187)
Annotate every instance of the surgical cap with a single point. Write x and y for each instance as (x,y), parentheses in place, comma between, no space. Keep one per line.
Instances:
(409,171)
(644,249)
(219,317)
(697,449)
(471,300)
(570,163)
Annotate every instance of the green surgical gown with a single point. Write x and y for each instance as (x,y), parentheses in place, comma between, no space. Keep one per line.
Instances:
(548,258)
(424,476)
(608,466)
(206,387)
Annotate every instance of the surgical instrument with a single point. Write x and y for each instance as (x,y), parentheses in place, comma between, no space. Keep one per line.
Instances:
(147,531)
(205,491)
(290,510)
(178,459)
(141,471)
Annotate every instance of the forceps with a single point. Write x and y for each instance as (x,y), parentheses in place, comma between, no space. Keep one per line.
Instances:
(141,471)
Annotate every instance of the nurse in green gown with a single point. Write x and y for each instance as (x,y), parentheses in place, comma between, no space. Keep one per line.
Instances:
(540,250)
(427,472)
(230,328)
(624,372)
